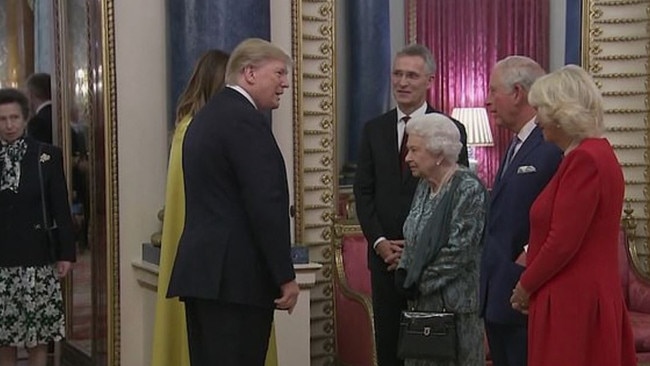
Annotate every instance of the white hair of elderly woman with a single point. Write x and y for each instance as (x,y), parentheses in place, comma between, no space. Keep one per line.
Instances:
(439,132)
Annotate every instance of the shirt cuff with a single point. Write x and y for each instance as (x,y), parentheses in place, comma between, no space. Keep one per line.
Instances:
(374,245)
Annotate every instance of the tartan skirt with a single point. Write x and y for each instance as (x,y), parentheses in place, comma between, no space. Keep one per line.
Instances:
(31,306)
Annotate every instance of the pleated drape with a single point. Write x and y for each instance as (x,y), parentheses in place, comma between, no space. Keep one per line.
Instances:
(198,25)
(368,84)
(467,38)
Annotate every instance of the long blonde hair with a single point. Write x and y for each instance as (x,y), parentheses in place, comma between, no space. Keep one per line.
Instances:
(207,79)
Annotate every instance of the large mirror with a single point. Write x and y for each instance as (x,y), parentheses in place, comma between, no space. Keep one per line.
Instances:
(84,87)
(72,41)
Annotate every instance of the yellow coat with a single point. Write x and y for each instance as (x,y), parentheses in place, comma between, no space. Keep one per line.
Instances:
(170,330)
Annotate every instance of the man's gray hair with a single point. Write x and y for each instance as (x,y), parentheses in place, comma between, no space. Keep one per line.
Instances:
(419,50)
(519,70)
(439,132)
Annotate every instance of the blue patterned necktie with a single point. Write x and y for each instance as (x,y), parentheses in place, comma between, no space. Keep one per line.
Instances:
(510,154)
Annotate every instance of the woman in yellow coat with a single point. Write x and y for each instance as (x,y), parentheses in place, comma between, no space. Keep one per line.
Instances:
(170,331)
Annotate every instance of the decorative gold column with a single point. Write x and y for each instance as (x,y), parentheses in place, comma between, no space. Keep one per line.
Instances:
(315,159)
(616,50)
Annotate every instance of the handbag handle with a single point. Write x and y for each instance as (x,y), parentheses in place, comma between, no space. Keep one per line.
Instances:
(442,298)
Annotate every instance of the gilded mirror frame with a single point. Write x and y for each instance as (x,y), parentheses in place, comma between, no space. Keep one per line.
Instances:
(105,287)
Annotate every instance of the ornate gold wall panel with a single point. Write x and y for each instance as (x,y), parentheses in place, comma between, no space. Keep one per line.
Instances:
(615,50)
(315,158)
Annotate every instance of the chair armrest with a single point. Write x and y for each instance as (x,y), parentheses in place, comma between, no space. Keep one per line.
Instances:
(353,315)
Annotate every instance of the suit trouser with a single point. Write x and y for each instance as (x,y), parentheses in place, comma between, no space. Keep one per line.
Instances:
(227,334)
(387,306)
(508,344)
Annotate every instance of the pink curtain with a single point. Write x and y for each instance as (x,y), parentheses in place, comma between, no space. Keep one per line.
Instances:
(467,38)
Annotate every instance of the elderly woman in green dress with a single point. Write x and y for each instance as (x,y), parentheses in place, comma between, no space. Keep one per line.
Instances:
(439,266)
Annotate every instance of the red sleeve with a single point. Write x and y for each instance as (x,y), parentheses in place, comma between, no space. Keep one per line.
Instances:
(573,209)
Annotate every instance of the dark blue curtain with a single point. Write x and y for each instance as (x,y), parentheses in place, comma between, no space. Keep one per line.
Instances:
(573,38)
(198,25)
(369,66)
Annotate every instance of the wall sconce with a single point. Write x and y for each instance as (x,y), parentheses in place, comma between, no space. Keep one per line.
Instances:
(478,129)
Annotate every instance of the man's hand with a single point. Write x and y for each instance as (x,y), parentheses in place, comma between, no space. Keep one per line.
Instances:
(290,291)
(62,268)
(390,251)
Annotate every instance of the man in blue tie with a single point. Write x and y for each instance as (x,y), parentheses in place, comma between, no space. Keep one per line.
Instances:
(529,164)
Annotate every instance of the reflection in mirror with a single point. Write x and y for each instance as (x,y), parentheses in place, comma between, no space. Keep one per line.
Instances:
(77,115)
(27,41)
(16,43)
(72,41)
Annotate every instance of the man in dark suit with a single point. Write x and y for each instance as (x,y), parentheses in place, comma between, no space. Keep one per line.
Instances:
(384,189)
(40,97)
(528,165)
(233,266)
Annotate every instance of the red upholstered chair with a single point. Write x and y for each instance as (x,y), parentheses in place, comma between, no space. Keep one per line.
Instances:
(352,293)
(354,324)
(636,289)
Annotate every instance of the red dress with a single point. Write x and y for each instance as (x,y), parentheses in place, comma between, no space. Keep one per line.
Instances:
(577,312)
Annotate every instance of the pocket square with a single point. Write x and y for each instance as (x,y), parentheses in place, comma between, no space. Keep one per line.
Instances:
(525,169)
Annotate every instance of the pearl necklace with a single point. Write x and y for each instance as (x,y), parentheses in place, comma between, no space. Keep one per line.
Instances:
(445,179)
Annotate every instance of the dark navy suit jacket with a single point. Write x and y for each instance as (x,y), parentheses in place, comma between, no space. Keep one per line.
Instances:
(508,225)
(40,125)
(236,243)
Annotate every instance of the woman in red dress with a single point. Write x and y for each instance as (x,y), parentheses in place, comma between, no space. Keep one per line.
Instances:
(571,286)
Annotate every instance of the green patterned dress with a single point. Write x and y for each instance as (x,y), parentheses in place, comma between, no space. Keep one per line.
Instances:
(454,273)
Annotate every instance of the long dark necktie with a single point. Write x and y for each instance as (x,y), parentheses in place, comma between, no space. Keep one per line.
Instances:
(403,150)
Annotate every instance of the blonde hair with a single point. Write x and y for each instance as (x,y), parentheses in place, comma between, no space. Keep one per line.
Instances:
(252,52)
(207,79)
(570,98)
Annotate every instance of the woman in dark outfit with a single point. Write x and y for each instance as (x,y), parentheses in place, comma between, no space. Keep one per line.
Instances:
(31,260)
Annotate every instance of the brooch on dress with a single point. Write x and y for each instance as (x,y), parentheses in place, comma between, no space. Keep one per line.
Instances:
(44,157)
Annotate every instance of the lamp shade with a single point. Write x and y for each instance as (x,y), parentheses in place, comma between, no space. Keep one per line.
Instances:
(477,125)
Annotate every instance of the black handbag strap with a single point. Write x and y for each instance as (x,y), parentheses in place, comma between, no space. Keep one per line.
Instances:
(41,185)
(48,229)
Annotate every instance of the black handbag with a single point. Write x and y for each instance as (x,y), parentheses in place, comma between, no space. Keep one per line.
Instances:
(427,335)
